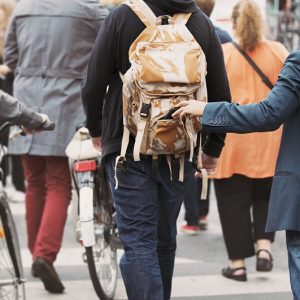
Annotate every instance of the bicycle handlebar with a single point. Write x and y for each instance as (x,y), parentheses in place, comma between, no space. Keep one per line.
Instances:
(4,126)
(47,126)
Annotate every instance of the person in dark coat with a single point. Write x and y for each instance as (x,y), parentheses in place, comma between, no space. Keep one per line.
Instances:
(282,106)
(147,202)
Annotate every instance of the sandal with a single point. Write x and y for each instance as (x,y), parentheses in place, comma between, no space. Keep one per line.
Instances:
(264,264)
(229,273)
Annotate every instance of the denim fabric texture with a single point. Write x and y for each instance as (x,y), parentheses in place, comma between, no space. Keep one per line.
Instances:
(147,204)
(293,246)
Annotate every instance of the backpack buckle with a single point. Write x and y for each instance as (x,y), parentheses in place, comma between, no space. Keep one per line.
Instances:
(164,20)
(145,110)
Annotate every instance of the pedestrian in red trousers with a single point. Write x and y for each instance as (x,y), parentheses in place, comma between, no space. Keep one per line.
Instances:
(47,46)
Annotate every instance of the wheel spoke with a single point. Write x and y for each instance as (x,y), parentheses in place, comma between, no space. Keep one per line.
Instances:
(105,270)
(11,287)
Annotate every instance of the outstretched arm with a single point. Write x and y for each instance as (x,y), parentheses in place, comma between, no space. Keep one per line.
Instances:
(17,113)
(267,115)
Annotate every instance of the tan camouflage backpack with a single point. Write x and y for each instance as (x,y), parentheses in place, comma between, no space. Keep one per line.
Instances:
(167,66)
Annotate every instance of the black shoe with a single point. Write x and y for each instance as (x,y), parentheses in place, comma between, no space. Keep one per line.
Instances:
(46,272)
(33,272)
(264,264)
(229,273)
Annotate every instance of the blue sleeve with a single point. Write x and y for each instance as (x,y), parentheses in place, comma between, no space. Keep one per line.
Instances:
(267,115)
(223,35)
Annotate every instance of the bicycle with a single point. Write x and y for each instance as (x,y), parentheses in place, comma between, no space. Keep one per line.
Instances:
(12,281)
(96,226)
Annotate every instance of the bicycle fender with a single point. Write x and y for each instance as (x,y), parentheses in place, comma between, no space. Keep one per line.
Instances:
(86,216)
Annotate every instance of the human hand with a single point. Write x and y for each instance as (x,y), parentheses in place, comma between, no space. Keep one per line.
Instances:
(45,124)
(96,141)
(44,117)
(191,107)
(209,163)
(4,70)
(26,130)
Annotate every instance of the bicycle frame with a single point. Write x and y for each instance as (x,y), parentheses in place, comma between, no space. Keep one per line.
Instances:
(95,214)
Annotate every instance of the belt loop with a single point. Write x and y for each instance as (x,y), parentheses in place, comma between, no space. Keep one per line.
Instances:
(155,163)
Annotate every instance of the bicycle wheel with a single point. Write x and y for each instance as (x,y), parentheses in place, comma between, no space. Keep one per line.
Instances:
(102,264)
(11,272)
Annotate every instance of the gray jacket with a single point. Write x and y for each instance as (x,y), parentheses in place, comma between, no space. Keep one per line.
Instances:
(281,106)
(11,110)
(48,45)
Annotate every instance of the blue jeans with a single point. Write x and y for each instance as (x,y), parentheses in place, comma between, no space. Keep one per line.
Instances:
(293,246)
(147,203)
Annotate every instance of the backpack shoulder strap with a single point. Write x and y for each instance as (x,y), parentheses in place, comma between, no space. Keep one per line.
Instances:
(181,18)
(143,11)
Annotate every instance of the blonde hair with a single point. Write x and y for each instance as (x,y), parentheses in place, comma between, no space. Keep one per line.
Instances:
(206,6)
(247,24)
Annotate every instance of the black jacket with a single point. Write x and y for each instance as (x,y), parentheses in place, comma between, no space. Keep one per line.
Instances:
(103,106)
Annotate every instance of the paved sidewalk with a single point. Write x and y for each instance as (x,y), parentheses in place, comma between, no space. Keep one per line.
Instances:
(197,271)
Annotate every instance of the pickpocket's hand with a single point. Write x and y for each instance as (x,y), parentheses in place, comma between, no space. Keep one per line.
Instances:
(191,107)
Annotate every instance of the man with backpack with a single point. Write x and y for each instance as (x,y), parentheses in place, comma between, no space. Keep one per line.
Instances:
(153,47)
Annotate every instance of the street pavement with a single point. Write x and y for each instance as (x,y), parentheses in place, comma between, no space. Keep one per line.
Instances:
(197,271)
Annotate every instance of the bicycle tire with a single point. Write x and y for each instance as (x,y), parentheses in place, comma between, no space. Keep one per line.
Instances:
(103,266)
(12,283)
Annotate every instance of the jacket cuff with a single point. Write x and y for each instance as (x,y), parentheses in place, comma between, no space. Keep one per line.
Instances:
(212,149)
(95,132)
(30,118)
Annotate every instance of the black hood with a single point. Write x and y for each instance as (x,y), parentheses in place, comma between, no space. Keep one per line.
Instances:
(175,6)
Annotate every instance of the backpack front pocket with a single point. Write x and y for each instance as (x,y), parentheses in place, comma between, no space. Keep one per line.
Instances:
(168,136)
